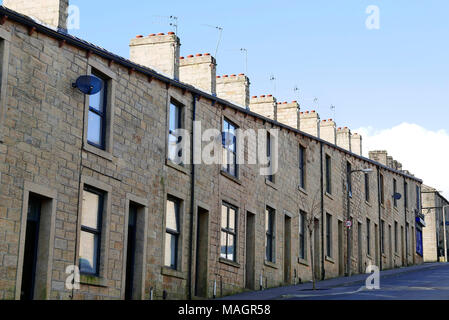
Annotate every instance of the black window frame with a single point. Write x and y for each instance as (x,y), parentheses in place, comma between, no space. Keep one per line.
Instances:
(368,236)
(227,148)
(270,234)
(101,114)
(382,236)
(228,231)
(349,177)
(396,237)
(328,174)
(175,233)
(329,235)
(367,189)
(270,177)
(96,232)
(395,190)
(302,167)
(302,235)
(179,125)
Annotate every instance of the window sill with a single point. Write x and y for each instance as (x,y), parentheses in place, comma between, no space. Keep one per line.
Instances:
(230,177)
(101,153)
(93,280)
(369,257)
(329,259)
(175,166)
(229,262)
(303,262)
(329,196)
(302,190)
(271,184)
(166,271)
(368,204)
(384,255)
(270,264)
(396,255)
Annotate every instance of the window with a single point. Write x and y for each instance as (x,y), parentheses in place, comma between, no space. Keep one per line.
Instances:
(96,126)
(367,192)
(328,235)
(174,138)
(328,174)
(228,232)
(406,194)
(395,236)
(382,236)
(91,225)
(349,177)
(270,177)
(395,190)
(229,142)
(368,236)
(302,167)
(270,234)
(381,187)
(172,232)
(302,235)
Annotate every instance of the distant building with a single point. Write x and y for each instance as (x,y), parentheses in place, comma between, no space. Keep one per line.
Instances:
(433,234)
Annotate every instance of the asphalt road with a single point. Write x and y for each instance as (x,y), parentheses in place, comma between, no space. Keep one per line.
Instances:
(426,284)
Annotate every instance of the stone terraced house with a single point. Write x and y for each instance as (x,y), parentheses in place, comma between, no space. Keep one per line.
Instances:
(88,181)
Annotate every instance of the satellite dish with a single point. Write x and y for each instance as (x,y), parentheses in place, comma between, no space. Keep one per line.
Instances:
(89,85)
(397,196)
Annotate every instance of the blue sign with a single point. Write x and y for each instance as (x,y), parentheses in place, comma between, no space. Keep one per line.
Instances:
(419,248)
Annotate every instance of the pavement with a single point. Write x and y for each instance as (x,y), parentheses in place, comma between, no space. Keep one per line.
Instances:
(429,281)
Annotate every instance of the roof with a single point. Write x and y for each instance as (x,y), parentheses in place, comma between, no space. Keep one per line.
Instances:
(83,44)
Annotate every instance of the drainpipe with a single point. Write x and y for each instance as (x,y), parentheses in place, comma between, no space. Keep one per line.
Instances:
(323,271)
(192,197)
(380,219)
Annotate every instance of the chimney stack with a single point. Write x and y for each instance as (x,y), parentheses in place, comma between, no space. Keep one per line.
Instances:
(379,156)
(199,71)
(234,89)
(159,52)
(310,123)
(265,106)
(356,144)
(344,138)
(288,113)
(328,131)
(50,12)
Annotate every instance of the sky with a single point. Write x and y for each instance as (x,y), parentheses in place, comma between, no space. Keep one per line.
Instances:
(391,83)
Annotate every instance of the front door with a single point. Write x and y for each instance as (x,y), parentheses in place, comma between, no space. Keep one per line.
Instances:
(31,247)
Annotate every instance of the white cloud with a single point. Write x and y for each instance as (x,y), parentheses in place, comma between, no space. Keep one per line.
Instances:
(423,152)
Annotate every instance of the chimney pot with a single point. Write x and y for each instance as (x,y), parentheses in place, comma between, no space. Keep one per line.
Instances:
(139,36)
(199,55)
(190,56)
(161,34)
(152,35)
(170,33)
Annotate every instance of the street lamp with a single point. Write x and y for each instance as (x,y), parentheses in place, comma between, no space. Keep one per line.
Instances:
(349,224)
